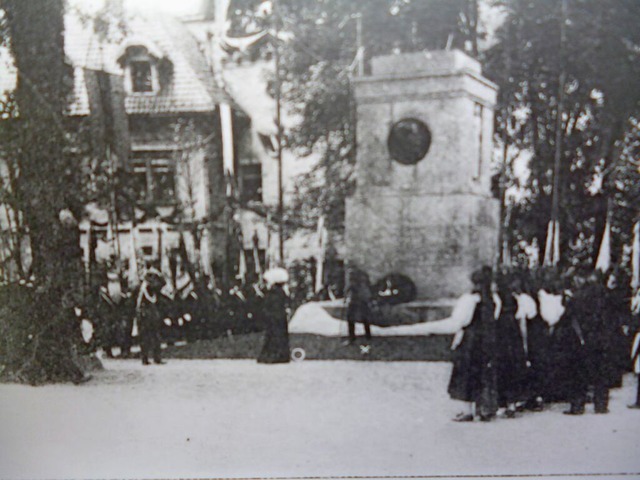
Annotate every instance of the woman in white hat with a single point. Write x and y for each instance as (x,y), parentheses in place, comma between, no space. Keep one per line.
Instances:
(276,337)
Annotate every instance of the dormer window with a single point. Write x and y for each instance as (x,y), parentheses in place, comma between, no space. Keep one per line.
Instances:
(141,70)
(141,77)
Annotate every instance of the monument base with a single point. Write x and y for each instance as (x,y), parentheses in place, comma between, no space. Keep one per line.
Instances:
(435,240)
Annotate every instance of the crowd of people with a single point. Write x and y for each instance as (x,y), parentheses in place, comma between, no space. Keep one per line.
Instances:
(521,339)
(520,342)
(161,311)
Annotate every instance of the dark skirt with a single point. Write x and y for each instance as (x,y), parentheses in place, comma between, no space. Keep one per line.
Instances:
(276,346)
(513,373)
(276,336)
(474,375)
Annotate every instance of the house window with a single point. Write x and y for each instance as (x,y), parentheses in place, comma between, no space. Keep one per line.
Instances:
(251,182)
(154,180)
(141,70)
(141,76)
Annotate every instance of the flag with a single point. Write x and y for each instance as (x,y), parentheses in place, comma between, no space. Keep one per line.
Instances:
(165,263)
(242,266)
(273,252)
(226,126)
(556,244)
(506,254)
(322,239)
(635,257)
(604,254)
(229,44)
(205,254)
(552,246)
(256,255)
(133,277)
(268,261)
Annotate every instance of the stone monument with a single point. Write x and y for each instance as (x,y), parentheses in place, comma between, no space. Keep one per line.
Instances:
(423,204)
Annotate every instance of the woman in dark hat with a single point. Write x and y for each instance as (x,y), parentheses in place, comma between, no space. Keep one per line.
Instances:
(511,345)
(474,375)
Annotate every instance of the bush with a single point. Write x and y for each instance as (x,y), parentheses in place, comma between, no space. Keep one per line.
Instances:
(37,345)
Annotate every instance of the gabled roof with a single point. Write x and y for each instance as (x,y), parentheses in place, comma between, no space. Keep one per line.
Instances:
(191,88)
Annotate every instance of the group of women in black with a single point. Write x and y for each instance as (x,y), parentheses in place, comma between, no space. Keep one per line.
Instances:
(518,346)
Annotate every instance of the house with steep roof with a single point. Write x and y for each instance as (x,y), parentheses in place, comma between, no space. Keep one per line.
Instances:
(157,115)
(194,137)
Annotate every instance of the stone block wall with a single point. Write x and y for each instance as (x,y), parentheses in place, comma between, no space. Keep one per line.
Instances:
(434,221)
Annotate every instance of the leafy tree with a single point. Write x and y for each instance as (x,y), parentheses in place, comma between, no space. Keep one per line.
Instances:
(44,187)
(318,63)
(598,62)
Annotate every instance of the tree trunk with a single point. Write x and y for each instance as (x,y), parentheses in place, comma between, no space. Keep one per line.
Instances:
(46,185)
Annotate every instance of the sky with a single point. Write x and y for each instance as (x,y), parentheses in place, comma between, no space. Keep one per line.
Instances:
(175,7)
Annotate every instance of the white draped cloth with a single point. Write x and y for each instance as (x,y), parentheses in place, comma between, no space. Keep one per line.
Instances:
(551,307)
(635,354)
(527,309)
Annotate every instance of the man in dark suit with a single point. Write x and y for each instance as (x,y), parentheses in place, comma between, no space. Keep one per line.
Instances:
(357,297)
(150,316)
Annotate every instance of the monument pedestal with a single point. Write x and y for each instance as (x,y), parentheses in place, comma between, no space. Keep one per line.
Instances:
(422,205)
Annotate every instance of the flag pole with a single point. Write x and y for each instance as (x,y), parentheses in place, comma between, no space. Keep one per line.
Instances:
(555,199)
(278,95)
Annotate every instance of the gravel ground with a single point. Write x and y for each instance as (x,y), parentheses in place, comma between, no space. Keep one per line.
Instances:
(236,418)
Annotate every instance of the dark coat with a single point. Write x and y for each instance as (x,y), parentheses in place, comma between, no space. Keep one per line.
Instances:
(474,375)
(150,316)
(540,340)
(513,372)
(276,335)
(587,342)
(618,314)
(358,295)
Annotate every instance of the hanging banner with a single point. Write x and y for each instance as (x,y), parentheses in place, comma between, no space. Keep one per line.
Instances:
(604,254)
(548,248)
(635,257)
(556,243)
(226,126)
(133,276)
(256,255)
(242,266)
(205,254)
(320,257)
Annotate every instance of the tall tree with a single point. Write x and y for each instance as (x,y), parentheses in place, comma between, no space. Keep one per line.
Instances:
(598,62)
(320,60)
(46,186)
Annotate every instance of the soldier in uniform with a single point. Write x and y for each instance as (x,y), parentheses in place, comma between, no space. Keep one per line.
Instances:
(149,316)
(590,344)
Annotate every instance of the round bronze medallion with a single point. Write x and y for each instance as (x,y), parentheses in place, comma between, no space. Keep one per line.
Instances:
(409,141)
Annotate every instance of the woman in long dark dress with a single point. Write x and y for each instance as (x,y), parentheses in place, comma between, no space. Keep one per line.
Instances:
(276,336)
(511,345)
(474,375)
